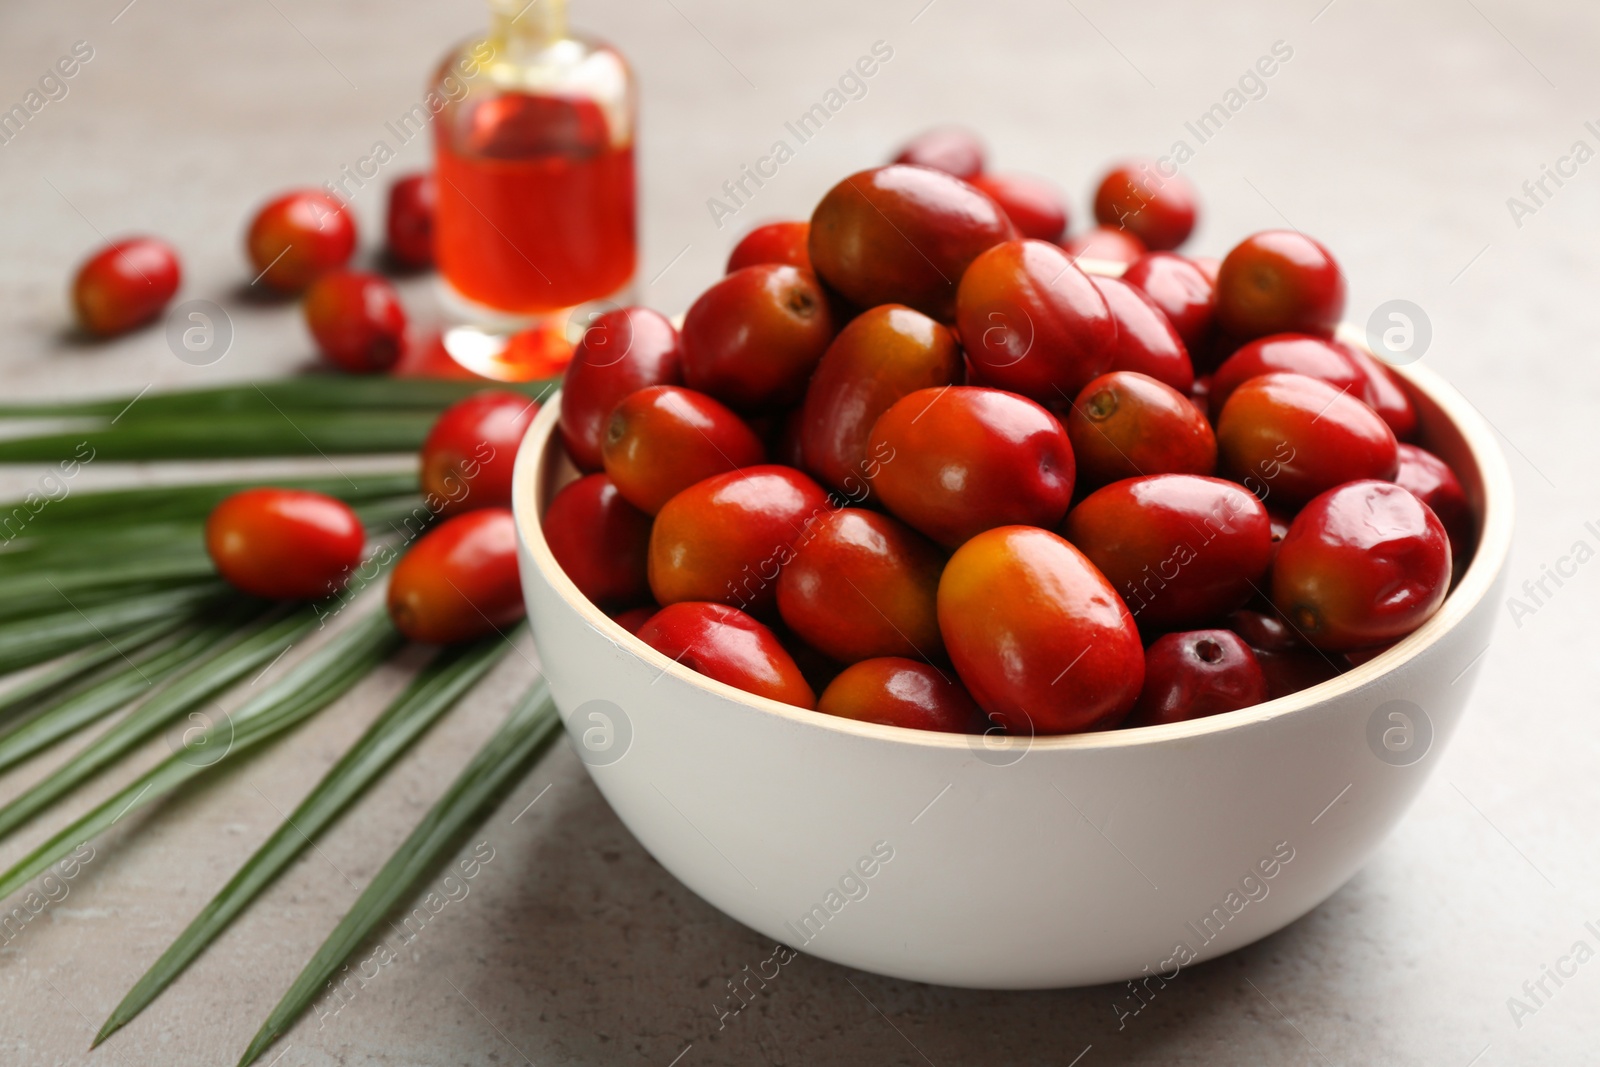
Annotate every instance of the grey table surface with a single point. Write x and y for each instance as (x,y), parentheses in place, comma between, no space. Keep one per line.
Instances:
(1396,133)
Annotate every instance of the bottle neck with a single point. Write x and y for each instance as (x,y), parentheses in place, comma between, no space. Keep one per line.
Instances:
(527,24)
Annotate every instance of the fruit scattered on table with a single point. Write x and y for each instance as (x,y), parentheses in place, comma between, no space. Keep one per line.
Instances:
(125,284)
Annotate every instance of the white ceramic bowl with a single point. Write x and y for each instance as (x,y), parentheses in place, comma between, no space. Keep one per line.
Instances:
(1064,861)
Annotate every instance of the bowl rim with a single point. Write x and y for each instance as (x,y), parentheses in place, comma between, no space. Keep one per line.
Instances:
(1494,543)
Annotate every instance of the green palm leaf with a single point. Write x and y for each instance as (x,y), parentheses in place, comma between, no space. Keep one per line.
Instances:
(433,692)
(492,771)
(312,685)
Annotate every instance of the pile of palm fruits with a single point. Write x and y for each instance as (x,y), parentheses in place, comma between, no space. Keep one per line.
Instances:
(911,455)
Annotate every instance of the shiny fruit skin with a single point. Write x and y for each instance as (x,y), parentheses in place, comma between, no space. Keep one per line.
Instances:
(1037,635)
(601,541)
(1158,210)
(1289,437)
(1383,393)
(948,148)
(1033,323)
(754,337)
(903,235)
(894,691)
(1287,663)
(883,354)
(1289,353)
(469,454)
(621,352)
(1146,341)
(408,226)
(1196,674)
(459,580)
(1183,292)
(1279,281)
(863,585)
(663,439)
(726,644)
(727,538)
(1431,481)
(284,544)
(1362,564)
(357,321)
(776,242)
(1179,549)
(1034,206)
(1124,425)
(957,461)
(298,237)
(1105,244)
(125,284)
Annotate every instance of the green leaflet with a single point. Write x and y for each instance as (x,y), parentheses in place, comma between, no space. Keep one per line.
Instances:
(433,692)
(24,642)
(181,698)
(329,392)
(143,671)
(312,685)
(492,771)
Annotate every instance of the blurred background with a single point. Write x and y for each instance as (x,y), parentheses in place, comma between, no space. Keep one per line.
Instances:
(1415,140)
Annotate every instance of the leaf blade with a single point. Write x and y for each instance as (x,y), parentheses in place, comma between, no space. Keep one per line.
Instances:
(432,693)
(310,686)
(524,733)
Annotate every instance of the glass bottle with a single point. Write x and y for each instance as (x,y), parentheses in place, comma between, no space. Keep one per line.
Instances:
(535,176)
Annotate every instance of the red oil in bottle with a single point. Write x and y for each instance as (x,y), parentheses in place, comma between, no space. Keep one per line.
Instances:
(536,203)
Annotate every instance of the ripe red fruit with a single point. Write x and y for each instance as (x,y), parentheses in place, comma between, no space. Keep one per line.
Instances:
(1033,205)
(776,242)
(1146,342)
(1279,281)
(729,646)
(948,148)
(728,537)
(601,541)
(284,544)
(1383,393)
(1293,353)
(357,321)
(1037,635)
(621,352)
(753,338)
(125,284)
(469,454)
(1362,564)
(903,692)
(1105,244)
(663,439)
(298,237)
(959,460)
(862,585)
(903,235)
(883,354)
(1195,674)
(1157,209)
(1431,480)
(459,581)
(1032,323)
(1289,437)
(1287,663)
(1179,549)
(408,227)
(1183,292)
(1123,425)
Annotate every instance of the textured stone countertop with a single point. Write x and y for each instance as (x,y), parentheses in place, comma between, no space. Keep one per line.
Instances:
(1396,133)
